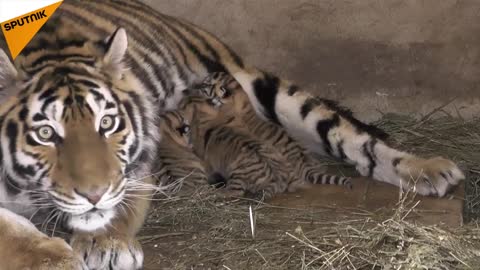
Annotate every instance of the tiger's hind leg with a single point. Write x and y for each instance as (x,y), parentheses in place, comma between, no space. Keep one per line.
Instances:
(326,128)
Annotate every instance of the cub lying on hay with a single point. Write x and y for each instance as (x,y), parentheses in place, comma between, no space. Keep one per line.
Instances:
(246,154)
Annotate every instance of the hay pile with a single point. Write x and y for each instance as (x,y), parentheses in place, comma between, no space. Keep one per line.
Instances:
(204,231)
(450,137)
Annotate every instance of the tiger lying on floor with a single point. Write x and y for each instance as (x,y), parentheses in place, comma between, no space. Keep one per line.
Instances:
(247,164)
(79,121)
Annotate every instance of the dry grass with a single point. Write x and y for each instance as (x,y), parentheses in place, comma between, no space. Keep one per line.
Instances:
(448,136)
(203,231)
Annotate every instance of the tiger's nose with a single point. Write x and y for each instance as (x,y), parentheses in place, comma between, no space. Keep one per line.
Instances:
(93,195)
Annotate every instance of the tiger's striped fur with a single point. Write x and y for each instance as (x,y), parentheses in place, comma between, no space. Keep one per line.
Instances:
(124,58)
(224,92)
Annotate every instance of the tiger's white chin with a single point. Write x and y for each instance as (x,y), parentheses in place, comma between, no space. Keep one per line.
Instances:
(91,220)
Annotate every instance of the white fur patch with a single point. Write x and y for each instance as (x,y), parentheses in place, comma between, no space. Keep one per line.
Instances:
(91,221)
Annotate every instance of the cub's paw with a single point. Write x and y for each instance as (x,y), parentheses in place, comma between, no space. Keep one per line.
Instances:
(108,251)
(54,254)
(434,177)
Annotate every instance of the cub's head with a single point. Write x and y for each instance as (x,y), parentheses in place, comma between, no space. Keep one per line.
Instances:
(224,92)
(74,128)
(175,128)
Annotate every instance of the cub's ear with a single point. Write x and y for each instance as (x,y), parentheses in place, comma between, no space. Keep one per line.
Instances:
(116,46)
(8,75)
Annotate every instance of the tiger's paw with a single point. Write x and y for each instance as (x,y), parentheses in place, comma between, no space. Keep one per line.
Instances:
(108,252)
(430,177)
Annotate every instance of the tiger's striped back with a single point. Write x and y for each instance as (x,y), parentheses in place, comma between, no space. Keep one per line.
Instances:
(223,88)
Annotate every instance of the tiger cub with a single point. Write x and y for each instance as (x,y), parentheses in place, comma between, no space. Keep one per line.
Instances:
(177,164)
(244,165)
(223,91)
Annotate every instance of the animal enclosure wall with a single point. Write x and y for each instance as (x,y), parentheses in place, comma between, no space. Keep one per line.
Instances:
(373,55)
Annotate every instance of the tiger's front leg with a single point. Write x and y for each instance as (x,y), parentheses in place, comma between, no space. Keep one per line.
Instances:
(115,247)
(23,246)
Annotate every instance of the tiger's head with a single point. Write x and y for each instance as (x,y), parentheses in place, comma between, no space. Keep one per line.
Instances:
(75,128)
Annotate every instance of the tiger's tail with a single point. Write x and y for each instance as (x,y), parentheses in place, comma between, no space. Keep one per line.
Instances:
(327,179)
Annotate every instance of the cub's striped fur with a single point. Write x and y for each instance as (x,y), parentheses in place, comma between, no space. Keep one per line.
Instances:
(235,155)
(177,164)
(243,164)
(224,92)
(79,116)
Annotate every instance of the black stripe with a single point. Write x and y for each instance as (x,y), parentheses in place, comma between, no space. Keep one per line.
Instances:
(348,115)
(308,106)
(44,174)
(109,42)
(340,150)
(34,71)
(12,133)
(22,115)
(292,90)
(140,73)
(396,161)
(191,29)
(48,93)
(131,114)
(42,43)
(31,141)
(207,136)
(324,127)
(209,64)
(13,188)
(110,105)
(147,42)
(68,101)
(368,151)
(98,96)
(142,113)
(88,83)
(47,102)
(59,57)
(266,90)
(154,23)
(121,126)
(193,32)
(80,100)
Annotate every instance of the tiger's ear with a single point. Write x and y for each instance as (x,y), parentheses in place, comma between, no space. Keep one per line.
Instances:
(115,49)
(8,74)
(116,45)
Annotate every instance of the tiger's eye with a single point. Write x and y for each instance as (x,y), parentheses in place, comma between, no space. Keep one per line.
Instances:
(45,133)
(106,122)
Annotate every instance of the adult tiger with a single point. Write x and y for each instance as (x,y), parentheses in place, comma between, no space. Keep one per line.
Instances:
(82,115)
